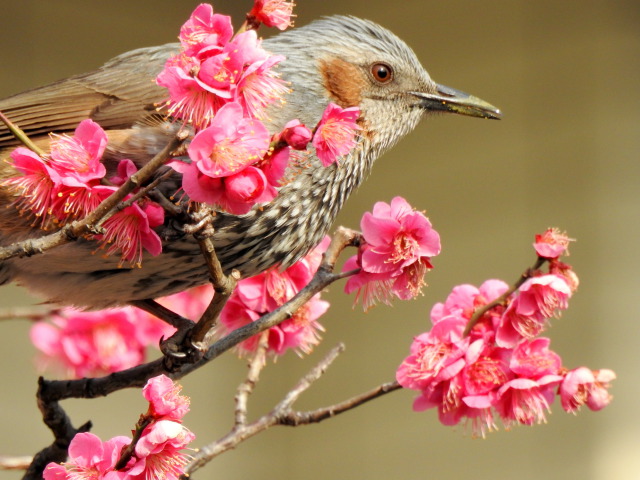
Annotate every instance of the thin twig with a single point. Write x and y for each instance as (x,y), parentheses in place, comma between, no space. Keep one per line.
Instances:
(241,432)
(33,314)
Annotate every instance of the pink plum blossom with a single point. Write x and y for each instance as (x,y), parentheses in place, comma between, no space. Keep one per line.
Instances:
(551,244)
(273,13)
(157,453)
(213,68)
(129,231)
(77,159)
(205,29)
(540,298)
(296,135)
(36,187)
(582,386)
(165,401)
(335,135)
(525,401)
(398,245)
(229,144)
(89,458)
(263,293)
(95,343)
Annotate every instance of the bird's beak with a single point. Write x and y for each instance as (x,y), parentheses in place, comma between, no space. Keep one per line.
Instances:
(448,99)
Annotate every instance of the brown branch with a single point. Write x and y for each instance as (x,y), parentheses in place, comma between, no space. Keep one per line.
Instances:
(241,431)
(33,314)
(91,223)
(52,392)
(502,299)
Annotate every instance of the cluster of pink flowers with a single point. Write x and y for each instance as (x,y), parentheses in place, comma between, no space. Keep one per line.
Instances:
(395,255)
(82,344)
(156,454)
(264,293)
(67,184)
(221,85)
(501,368)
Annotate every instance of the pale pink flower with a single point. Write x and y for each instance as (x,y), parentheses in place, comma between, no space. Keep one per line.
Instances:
(190,303)
(89,459)
(540,298)
(77,159)
(129,231)
(273,13)
(157,453)
(551,244)
(165,401)
(296,135)
(399,244)
(260,86)
(585,387)
(335,135)
(95,343)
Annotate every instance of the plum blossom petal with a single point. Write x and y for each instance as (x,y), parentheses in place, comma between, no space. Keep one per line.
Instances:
(335,135)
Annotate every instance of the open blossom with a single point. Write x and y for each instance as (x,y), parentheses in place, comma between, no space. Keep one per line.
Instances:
(478,378)
(585,387)
(263,293)
(129,231)
(95,343)
(158,452)
(77,159)
(540,298)
(89,458)
(399,244)
(336,132)
(165,401)
(273,13)
(552,243)
(214,68)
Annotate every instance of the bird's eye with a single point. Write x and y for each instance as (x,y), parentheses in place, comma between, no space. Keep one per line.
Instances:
(382,73)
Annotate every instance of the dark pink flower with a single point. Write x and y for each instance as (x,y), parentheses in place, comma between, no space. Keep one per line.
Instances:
(165,401)
(129,231)
(296,135)
(551,244)
(336,132)
(273,13)
(585,387)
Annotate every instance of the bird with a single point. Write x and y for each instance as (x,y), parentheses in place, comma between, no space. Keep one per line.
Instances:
(341,59)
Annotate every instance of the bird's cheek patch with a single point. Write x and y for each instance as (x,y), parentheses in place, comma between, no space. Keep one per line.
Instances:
(343,81)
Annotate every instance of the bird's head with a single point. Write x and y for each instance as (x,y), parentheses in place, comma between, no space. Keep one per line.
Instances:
(355,62)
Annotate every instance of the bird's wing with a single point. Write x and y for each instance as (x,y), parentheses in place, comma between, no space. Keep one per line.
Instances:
(117,95)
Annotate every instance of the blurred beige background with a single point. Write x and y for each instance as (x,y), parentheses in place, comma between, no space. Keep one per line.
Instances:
(566,76)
